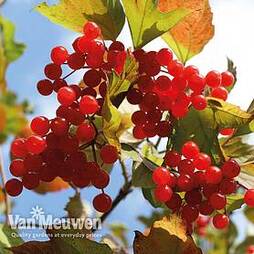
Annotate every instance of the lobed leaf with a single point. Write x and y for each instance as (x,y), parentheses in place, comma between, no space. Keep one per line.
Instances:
(189,36)
(73,14)
(147,22)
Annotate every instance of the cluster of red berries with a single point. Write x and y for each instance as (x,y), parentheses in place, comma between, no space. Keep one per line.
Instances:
(58,146)
(205,187)
(175,91)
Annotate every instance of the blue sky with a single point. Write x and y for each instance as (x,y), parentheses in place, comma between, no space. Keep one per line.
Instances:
(233,38)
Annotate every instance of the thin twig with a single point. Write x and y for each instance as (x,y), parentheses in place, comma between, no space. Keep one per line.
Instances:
(124,170)
(6,197)
(65,77)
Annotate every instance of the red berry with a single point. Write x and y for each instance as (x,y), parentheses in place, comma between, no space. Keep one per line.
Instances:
(175,68)
(163,193)
(134,96)
(92,78)
(205,208)
(102,203)
(213,79)
(228,78)
(202,161)
(164,56)
(185,183)
(186,167)
(138,132)
(172,159)
(220,221)
(59,126)
(196,83)
(88,105)
(218,201)
(193,197)
(189,213)
(161,176)
(85,132)
(163,83)
(116,45)
(199,102)
(53,71)
(175,202)
(31,181)
(76,61)
(179,111)
(59,83)
(59,55)
(138,117)
(227,131)
(13,187)
(45,87)
(231,169)
(109,154)
(227,186)
(18,148)
(249,198)
(250,249)
(190,70)
(91,30)
(220,93)
(35,144)
(17,168)
(102,180)
(190,150)
(40,125)
(66,96)
(213,175)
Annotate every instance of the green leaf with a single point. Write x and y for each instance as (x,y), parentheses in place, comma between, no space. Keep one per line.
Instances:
(242,247)
(251,107)
(232,68)
(119,230)
(147,22)
(142,177)
(8,238)
(151,153)
(227,115)
(149,196)
(73,14)
(199,126)
(249,213)
(12,50)
(189,36)
(234,202)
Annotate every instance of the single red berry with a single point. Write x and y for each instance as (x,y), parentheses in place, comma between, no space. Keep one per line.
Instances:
(163,193)
(53,71)
(227,186)
(116,45)
(228,78)
(213,79)
(59,55)
(196,83)
(17,168)
(163,83)
(35,144)
(40,125)
(139,117)
(138,132)
(175,68)
(186,167)
(231,168)
(102,203)
(227,131)
(220,221)
(199,102)
(202,221)
(250,249)
(190,70)
(91,30)
(18,148)
(45,87)
(193,197)
(213,175)
(13,187)
(134,96)
(102,180)
(33,163)
(85,132)
(205,208)
(59,126)
(88,105)
(76,61)
(249,198)
(190,150)
(202,161)
(161,176)
(179,111)
(220,93)
(175,202)
(66,96)
(218,201)
(31,181)
(185,183)
(164,56)
(92,78)
(109,154)
(172,159)
(189,213)
(209,189)
(59,83)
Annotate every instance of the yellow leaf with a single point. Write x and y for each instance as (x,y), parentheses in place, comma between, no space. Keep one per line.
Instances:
(189,36)
(2,118)
(73,14)
(167,236)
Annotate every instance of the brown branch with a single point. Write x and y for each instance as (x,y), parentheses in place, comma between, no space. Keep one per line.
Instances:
(6,197)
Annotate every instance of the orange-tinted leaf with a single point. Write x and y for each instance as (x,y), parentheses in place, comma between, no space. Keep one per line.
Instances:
(189,36)
(56,185)
(167,236)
